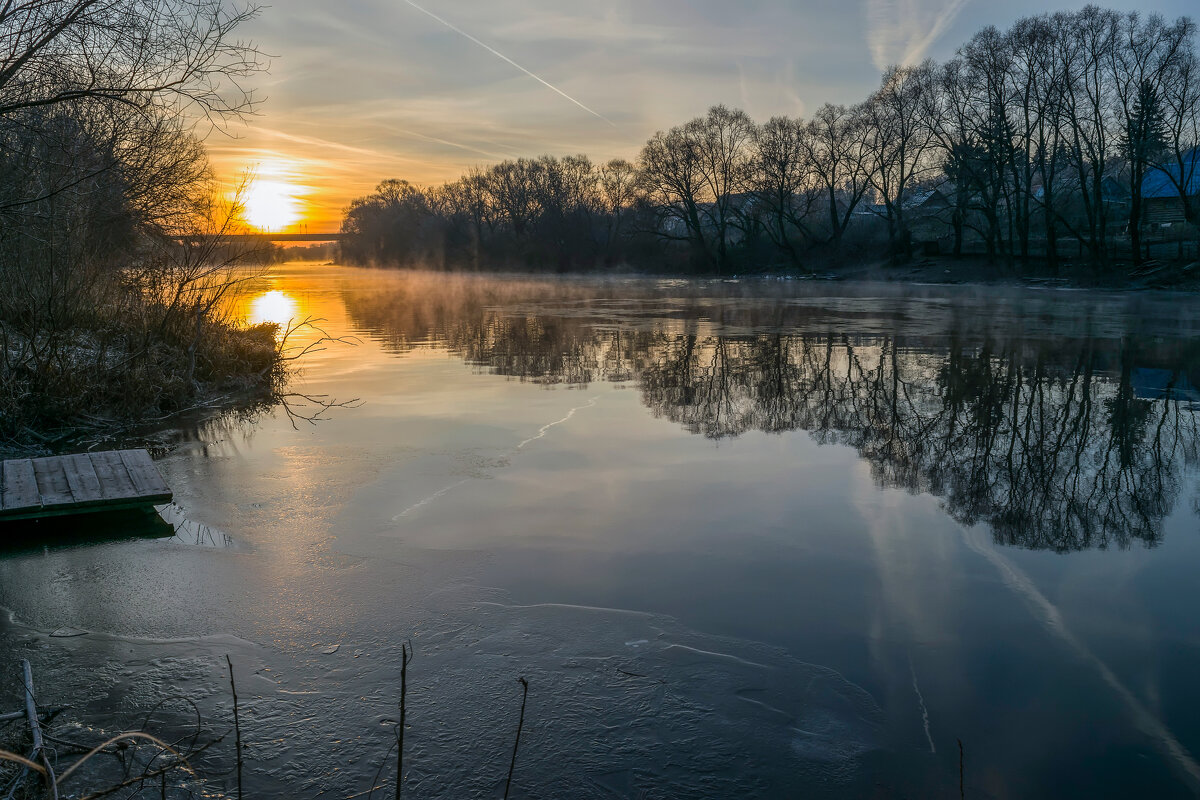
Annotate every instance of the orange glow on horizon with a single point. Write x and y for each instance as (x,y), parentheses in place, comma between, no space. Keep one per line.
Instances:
(273,194)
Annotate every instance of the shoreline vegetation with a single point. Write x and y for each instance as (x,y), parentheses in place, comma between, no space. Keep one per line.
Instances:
(114,278)
(171,753)
(1066,148)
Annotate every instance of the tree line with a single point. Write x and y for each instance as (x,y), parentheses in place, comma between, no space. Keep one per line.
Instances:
(1031,145)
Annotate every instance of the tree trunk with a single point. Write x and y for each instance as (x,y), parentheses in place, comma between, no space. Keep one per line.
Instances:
(1135,226)
(1051,233)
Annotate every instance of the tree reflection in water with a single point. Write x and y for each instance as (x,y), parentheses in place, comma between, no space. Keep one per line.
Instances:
(1061,428)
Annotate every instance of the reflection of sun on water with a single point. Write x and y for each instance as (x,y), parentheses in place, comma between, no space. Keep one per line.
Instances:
(273,306)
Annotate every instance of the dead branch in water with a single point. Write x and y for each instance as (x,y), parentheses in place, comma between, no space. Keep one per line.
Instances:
(161,772)
(297,406)
(520,724)
(405,657)
(962,786)
(153,775)
(289,352)
(37,760)
(237,727)
(35,728)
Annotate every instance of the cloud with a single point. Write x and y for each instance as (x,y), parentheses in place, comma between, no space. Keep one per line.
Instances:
(902,31)
(377,88)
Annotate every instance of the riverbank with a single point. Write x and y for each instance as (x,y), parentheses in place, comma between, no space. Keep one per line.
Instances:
(106,379)
(940,269)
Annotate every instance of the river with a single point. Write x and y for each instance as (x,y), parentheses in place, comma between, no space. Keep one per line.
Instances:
(758,538)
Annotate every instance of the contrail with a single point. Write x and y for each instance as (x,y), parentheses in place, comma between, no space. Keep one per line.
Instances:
(921,702)
(503,57)
(1051,618)
(449,143)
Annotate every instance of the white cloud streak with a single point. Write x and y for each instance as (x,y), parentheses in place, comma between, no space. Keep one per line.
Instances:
(508,60)
(902,31)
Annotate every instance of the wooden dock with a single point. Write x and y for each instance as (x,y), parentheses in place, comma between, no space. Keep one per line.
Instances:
(79,484)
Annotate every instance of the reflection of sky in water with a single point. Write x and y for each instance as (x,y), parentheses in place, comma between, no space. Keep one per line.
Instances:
(817,596)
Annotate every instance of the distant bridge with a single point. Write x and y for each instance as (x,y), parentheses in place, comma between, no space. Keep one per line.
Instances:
(272,237)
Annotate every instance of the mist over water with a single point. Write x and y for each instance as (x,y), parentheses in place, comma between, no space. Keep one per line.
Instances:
(763,538)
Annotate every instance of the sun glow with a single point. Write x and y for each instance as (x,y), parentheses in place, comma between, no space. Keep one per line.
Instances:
(273,306)
(271,205)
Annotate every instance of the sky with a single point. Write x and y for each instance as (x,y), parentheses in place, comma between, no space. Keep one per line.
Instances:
(362,90)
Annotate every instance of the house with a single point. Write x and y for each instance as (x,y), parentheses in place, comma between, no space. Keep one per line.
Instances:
(929,201)
(1114,193)
(919,202)
(1162,200)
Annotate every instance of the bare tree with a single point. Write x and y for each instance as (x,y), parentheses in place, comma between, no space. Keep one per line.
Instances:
(1083,47)
(697,174)
(1045,131)
(1143,58)
(670,178)
(899,121)
(723,141)
(977,135)
(1181,161)
(784,184)
(835,149)
(1039,82)
(142,54)
(104,184)
(511,185)
(618,187)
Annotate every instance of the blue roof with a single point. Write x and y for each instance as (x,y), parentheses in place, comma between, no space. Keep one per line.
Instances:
(1163,182)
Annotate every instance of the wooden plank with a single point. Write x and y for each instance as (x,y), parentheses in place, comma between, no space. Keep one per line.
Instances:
(52,482)
(73,484)
(115,483)
(82,478)
(144,474)
(74,511)
(18,489)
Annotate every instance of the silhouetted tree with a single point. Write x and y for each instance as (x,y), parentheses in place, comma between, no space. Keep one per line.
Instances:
(784,184)
(836,151)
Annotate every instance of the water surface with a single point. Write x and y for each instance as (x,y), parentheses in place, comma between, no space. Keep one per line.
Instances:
(753,538)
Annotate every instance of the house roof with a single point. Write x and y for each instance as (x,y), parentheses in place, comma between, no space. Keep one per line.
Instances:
(1163,182)
(920,197)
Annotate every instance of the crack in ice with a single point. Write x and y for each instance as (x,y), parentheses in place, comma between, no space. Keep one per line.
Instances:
(429,499)
(542,430)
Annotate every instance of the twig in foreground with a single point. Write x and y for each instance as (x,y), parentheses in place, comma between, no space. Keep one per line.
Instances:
(962,786)
(237,727)
(520,724)
(406,655)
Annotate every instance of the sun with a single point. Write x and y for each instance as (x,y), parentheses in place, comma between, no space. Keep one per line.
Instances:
(271,205)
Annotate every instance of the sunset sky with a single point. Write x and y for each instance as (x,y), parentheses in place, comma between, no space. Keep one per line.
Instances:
(362,90)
